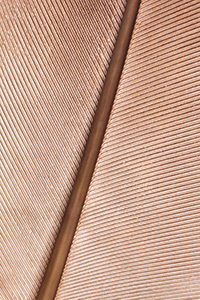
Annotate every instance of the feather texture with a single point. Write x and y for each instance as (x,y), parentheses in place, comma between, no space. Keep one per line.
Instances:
(139,233)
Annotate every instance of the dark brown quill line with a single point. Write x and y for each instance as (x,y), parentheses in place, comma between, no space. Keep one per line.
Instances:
(67,230)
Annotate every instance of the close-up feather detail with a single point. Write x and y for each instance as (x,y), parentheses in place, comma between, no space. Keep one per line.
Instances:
(100,154)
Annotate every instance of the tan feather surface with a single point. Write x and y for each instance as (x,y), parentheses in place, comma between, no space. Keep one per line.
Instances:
(54,57)
(139,233)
